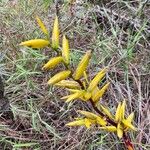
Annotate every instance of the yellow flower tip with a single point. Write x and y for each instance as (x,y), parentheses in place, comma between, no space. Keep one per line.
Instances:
(35,43)
(55,34)
(82,65)
(59,76)
(52,63)
(119,131)
(100,93)
(65,49)
(107,112)
(41,25)
(123,109)
(97,79)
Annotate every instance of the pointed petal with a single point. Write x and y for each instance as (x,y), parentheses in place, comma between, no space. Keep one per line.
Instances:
(55,34)
(119,131)
(65,50)
(96,79)
(117,115)
(76,123)
(109,128)
(100,93)
(101,121)
(68,84)
(85,77)
(75,96)
(41,25)
(122,110)
(130,117)
(107,112)
(59,76)
(88,123)
(88,114)
(36,43)
(87,96)
(92,116)
(82,65)
(128,124)
(52,63)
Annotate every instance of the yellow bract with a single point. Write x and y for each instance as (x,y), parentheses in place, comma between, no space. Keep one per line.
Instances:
(122,110)
(65,50)
(92,116)
(123,124)
(73,96)
(68,84)
(41,25)
(36,43)
(87,95)
(118,112)
(55,34)
(119,130)
(107,112)
(109,128)
(100,93)
(59,76)
(96,79)
(52,63)
(82,65)
(80,122)
(76,123)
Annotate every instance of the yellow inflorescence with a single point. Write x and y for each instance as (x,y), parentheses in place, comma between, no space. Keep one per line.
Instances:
(79,85)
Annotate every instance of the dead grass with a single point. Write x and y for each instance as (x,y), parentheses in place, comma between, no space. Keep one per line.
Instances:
(117,32)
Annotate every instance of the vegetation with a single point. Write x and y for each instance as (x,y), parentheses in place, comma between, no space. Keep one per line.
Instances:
(117,41)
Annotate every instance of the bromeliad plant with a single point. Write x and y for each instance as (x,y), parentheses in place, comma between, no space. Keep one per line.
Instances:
(80,87)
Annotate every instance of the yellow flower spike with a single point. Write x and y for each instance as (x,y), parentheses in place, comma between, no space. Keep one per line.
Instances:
(97,79)
(117,115)
(119,131)
(52,63)
(82,65)
(68,84)
(41,25)
(59,76)
(122,110)
(100,93)
(107,112)
(65,50)
(73,96)
(55,34)
(36,43)
(80,122)
(109,128)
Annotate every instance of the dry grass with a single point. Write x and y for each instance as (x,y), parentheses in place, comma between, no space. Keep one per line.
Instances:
(118,32)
